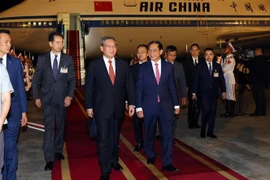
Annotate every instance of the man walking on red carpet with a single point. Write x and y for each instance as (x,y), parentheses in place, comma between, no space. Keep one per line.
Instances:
(108,81)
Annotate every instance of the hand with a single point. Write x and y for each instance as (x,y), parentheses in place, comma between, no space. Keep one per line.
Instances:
(67,101)
(184,101)
(90,113)
(38,103)
(140,114)
(194,97)
(126,105)
(218,59)
(224,96)
(24,119)
(177,111)
(131,110)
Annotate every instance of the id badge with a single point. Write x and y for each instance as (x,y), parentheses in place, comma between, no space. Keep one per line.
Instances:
(216,75)
(64,70)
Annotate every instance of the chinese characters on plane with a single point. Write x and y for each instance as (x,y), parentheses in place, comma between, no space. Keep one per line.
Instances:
(248,7)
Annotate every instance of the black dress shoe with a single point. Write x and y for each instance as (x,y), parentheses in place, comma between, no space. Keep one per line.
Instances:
(211,135)
(105,177)
(159,137)
(152,160)
(190,126)
(197,126)
(49,166)
(138,147)
(170,168)
(117,167)
(202,135)
(59,156)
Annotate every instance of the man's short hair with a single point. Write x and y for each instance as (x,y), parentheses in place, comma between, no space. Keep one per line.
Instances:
(209,49)
(142,45)
(160,46)
(102,41)
(51,36)
(195,44)
(4,31)
(171,48)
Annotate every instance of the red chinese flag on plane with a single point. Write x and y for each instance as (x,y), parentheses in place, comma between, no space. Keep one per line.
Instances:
(103,6)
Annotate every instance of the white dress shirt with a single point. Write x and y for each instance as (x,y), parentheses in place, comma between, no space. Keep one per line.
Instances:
(195,61)
(4,60)
(106,61)
(52,58)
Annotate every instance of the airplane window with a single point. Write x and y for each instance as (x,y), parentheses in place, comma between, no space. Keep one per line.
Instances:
(160,22)
(112,22)
(39,23)
(151,22)
(34,23)
(137,22)
(156,21)
(117,22)
(44,23)
(50,23)
(102,22)
(132,22)
(142,22)
(166,22)
(127,22)
(107,22)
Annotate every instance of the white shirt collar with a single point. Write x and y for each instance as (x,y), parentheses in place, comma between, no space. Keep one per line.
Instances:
(106,60)
(4,60)
(153,62)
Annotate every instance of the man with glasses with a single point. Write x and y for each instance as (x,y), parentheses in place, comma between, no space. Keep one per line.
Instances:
(108,85)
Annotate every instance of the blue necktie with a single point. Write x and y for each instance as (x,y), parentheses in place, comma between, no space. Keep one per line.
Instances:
(55,67)
(1,60)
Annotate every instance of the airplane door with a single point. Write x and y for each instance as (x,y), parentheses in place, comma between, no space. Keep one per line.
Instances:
(202,24)
(130,3)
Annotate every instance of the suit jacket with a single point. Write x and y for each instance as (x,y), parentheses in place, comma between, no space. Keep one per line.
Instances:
(258,70)
(53,90)
(134,70)
(180,78)
(190,69)
(206,85)
(105,98)
(18,97)
(147,89)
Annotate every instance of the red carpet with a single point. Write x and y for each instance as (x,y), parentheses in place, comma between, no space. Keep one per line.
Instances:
(82,161)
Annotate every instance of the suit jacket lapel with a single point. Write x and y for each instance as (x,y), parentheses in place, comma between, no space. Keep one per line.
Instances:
(49,63)
(162,70)
(8,63)
(151,71)
(116,70)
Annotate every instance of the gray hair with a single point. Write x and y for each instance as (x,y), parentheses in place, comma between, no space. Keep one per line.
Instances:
(105,38)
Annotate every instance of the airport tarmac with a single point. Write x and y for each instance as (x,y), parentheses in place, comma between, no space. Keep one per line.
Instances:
(243,143)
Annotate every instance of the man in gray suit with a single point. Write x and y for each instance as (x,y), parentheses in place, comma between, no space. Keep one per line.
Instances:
(179,75)
(55,76)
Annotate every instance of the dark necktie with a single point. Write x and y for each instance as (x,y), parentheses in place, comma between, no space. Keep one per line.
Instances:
(196,62)
(55,67)
(111,72)
(1,60)
(210,69)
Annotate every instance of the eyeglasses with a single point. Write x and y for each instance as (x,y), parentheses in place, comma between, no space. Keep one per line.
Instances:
(109,46)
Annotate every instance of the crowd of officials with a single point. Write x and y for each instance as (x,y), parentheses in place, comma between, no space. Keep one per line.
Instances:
(152,90)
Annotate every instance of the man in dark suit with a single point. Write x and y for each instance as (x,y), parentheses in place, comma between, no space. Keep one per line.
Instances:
(55,76)
(208,78)
(17,115)
(179,76)
(157,98)
(108,84)
(142,56)
(258,80)
(190,66)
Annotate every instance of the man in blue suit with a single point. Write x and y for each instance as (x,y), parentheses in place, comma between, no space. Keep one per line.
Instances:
(17,115)
(157,98)
(208,76)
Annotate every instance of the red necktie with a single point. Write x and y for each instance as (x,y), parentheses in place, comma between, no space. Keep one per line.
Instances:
(157,77)
(111,72)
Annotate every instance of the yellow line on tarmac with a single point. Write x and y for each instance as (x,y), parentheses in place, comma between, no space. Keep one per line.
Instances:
(127,173)
(152,168)
(207,163)
(65,165)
